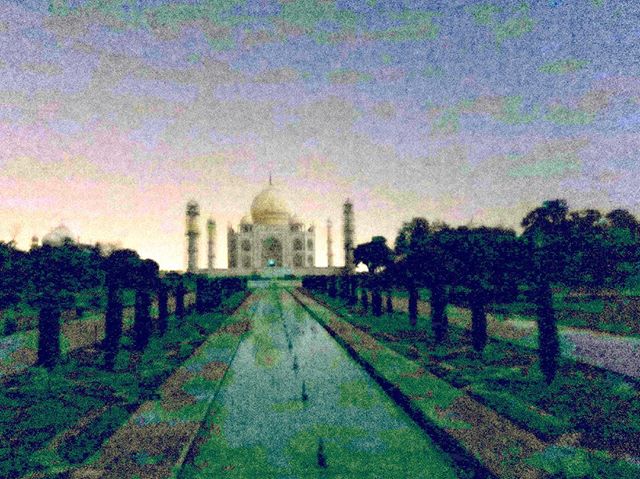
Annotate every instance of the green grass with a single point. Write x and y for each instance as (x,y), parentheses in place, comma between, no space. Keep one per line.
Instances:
(577,463)
(507,379)
(39,405)
(596,314)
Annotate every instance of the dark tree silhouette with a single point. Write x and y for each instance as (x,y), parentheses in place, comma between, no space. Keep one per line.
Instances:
(411,247)
(49,329)
(121,269)
(444,265)
(331,286)
(180,293)
(548,342)
(541,277)
(478,323)
(113,324)
(9,284)
(364,299)
(54,284)
(147,280)
(413,303)
(376,255)
(622,236)
(163,308)
(546,228)
(439,320)
(487,269)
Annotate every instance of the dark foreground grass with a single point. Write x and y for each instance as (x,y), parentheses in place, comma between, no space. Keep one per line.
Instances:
(585,407)
(59,418)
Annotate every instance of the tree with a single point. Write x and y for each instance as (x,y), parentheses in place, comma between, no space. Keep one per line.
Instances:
(163,307)
(411,258)
(180,293)
(377,256)
(113,324)
(121,269)
(622,236)
(487,265)
(146,282)
(53,284)
(331,286)
(588,259)
(546,228)
(620,218)
(9,283)
(442,255)
(364,295)
(352,293)
(548,342)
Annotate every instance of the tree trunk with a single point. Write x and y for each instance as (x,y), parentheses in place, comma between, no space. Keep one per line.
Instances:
(376,299)
(353,289)
(142,319)
(332,287)
(201,293)
(180,292)
(364,297)
(548,341)
(389,303)
(439,320)
(413,305)
(163,309)
(49,334)
(478,323)
(112,326)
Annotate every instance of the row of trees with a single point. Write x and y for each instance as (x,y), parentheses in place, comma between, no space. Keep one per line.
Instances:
(479,265)
(49,279)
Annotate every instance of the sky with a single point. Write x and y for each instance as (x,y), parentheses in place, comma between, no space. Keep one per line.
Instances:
(113,114)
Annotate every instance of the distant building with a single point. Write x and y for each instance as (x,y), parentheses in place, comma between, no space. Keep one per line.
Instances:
(271,241)
(58,236)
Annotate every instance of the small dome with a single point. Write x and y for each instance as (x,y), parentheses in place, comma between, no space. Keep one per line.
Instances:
(58,236)
(269,208)
(246,220)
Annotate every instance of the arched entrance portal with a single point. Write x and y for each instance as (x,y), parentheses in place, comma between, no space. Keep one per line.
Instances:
(272,252)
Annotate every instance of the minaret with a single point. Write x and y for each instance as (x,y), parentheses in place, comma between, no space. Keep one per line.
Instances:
(347,214)
(211,244)
(193,211)
(329,244)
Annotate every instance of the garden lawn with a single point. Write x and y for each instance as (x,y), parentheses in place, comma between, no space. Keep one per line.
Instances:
(56,420)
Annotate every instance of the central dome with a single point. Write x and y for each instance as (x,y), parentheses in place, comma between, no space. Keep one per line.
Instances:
(269,208)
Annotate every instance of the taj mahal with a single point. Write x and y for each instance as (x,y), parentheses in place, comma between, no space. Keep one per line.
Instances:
(270,241)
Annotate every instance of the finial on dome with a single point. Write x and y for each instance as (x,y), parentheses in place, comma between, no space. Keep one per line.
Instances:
(270,184)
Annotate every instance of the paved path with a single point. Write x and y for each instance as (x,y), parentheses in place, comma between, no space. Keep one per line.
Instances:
(294,404)
(616,353)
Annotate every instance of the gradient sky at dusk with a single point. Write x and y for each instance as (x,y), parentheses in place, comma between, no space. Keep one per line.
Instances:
(113,114)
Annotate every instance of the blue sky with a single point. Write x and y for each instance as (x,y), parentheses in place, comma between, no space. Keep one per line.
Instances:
(449,109)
